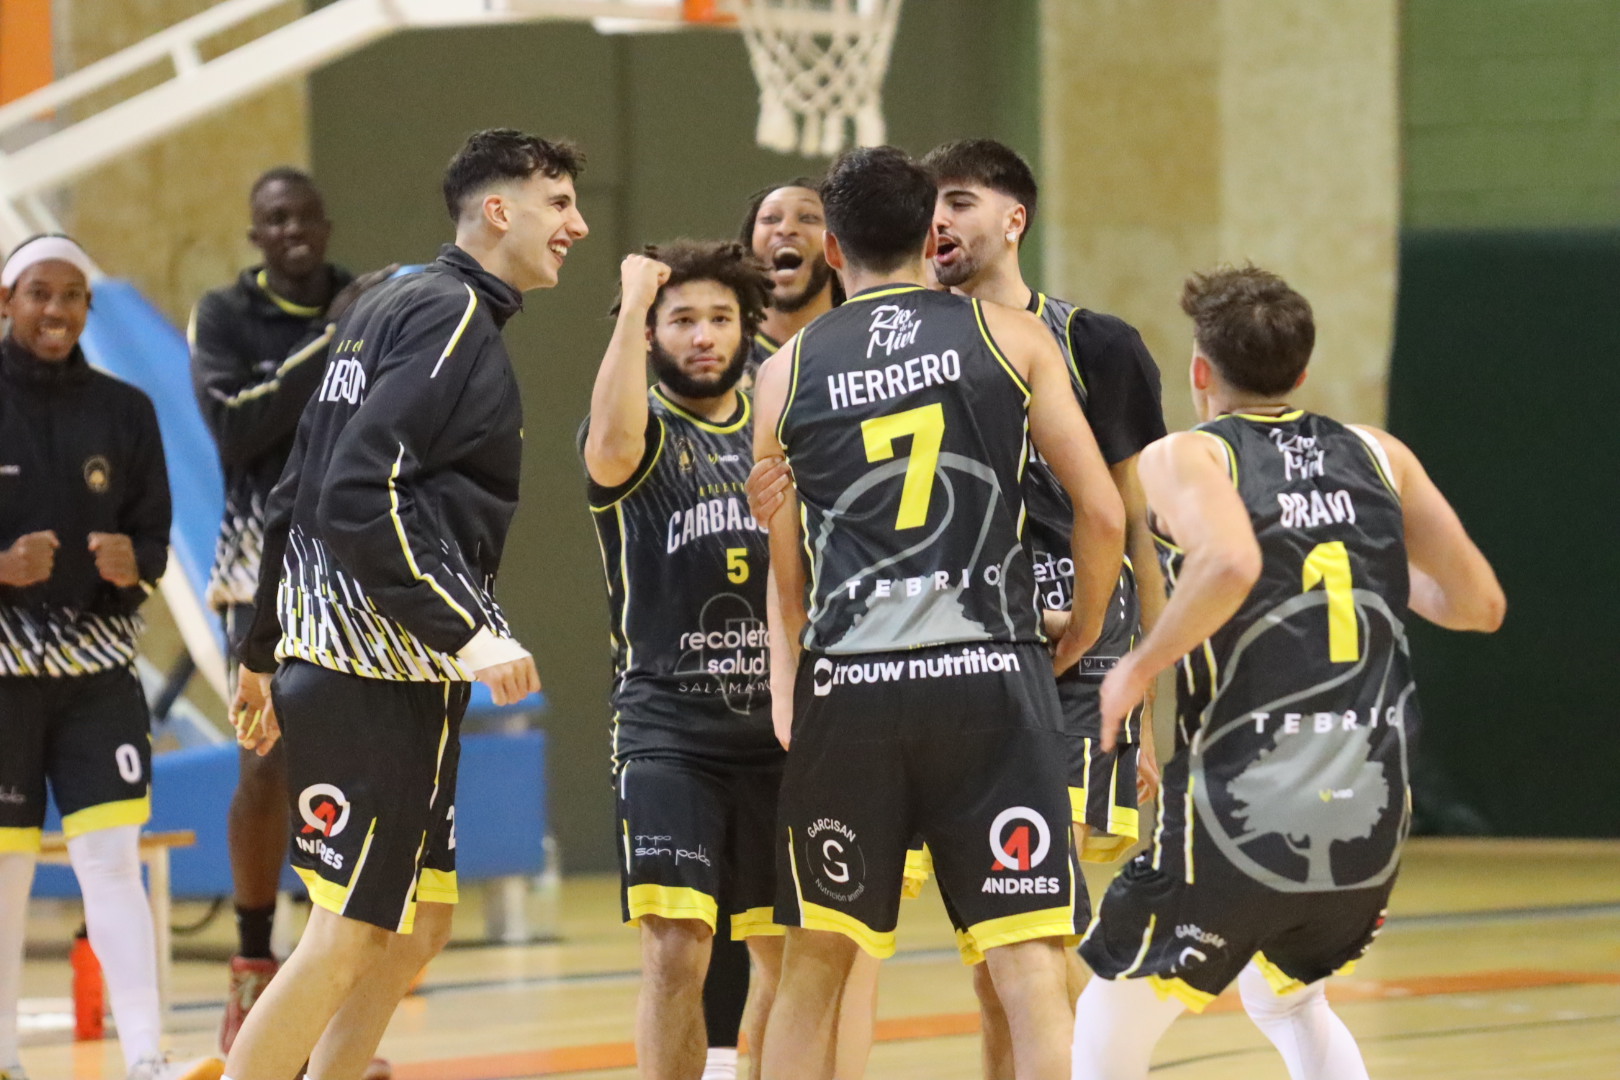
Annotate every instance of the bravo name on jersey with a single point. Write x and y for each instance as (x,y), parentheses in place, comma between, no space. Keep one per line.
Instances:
(913,523)
(685,565)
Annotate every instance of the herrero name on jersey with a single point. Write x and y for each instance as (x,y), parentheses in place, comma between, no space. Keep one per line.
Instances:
(1292,720)
(685,565)
(908,436)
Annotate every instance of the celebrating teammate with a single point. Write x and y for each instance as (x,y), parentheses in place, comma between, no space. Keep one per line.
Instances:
(784,228)
(924,702)
(383,540)
(697,765)
(1295,547)
(258,351)
(84,537)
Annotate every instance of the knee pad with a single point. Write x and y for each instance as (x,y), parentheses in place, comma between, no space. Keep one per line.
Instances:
(106,854)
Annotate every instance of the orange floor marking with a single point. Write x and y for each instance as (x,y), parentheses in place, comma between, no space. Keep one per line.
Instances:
(567,1059)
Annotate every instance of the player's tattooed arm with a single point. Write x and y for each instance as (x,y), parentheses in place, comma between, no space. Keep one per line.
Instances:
(784,605)
(617,439)
(1452,583)
(1187,483)
(1063,437)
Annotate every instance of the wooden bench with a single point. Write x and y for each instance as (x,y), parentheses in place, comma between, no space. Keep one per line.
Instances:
(154,850)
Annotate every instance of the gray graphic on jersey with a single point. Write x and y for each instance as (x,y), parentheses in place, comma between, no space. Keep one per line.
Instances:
(934,616)
(1314,790)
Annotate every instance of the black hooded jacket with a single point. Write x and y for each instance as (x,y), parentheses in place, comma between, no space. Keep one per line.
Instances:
(80,453)
(385,532)
(255,360)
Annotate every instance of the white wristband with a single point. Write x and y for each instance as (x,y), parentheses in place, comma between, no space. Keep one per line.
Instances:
(486,650)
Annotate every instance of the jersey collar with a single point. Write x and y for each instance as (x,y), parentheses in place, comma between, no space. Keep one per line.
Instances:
(735,422)
(878,292)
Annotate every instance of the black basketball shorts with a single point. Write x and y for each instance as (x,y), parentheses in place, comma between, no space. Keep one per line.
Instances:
(90,737)
(371,776)
(960,745)
(1191,940)
(697,842)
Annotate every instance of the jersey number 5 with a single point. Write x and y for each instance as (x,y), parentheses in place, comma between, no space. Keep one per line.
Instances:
(1329,564)
(926,426)
(737,565)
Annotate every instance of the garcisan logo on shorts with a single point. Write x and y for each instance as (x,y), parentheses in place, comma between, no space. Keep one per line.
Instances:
(835,858)
(1020,840)
(825,674)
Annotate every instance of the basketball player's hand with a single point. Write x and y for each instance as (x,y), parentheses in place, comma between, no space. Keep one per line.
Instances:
(115,558)
(768,484)
(29,560)
(253,713)
(1056,624)
(511,682)
(1122,690)
(640,278)
(351,292)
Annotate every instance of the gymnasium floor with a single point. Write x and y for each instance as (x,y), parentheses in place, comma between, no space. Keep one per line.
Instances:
(1501,960)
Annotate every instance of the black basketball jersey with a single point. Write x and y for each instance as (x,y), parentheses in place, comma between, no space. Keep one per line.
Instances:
(685,564)
(1292,719)
(1051,522)
(908,435)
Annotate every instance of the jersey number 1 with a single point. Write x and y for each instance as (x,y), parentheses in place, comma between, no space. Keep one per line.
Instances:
(1329,564)
(926,426)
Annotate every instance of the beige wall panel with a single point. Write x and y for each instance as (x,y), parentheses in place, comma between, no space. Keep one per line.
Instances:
(1177,134)
(172,217)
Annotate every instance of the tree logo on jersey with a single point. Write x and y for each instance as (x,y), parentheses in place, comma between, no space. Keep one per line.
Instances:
(1302,458)
(325,810)
(837,863)
(893,328)
(1307,792)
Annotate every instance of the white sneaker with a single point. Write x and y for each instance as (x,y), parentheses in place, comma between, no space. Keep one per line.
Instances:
(159,1067)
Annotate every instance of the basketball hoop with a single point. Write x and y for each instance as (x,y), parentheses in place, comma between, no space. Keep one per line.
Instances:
(820,66)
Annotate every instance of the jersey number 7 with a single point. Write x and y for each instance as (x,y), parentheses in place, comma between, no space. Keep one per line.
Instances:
(926,426)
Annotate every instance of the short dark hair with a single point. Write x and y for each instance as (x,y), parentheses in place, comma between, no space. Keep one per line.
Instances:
(496,154)
(1257,331)
(990,164)
(880,206)
(728,262)
(757,199)
(281,174)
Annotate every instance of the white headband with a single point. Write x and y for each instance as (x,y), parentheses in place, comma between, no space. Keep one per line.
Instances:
(43,249)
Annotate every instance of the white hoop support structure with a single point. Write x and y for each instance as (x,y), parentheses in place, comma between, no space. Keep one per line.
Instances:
(820,66)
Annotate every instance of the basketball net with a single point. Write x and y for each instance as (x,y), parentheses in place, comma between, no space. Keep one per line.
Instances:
(820,66)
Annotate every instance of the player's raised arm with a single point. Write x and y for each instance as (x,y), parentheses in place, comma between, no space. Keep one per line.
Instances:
(1063,437)
(785,608)
(1189,487)
(616,441)
(1452,583)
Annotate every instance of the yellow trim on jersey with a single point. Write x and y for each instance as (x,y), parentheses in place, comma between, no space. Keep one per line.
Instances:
(303,311)
(625,822)
(624,582)
(718,429)
(24,841)
(327,894)
(793,388)
(1187,837)
(109,815)
(1164,543)
(360,864)
(316,347)
(1068,349)
(995,350)
(765,341)
(461,327)
(404,545)
(1283,419)
(1040,303)
(1057,922)
(893,290)
(646,471)
(1280,981)
(1231,454)
(671,902)
(437,887)
(755,922)
(1169,986)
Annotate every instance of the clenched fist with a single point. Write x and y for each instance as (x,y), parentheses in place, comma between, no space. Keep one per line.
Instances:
(640,278)
(29,560)
(115,558)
